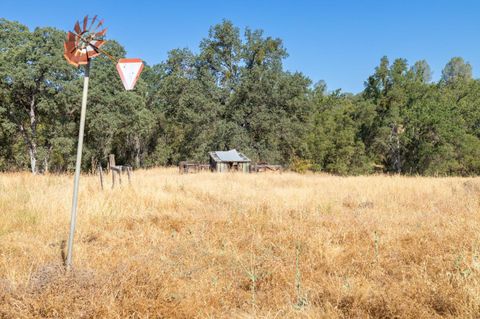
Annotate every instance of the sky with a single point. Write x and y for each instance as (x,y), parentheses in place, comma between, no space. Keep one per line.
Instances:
(340,42)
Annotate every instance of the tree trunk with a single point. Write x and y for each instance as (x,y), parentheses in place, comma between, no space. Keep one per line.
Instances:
(94,165)
(32,151)
(398,165)
(45,165)
(137,151)
(33,137)
(46,160)
(395,146)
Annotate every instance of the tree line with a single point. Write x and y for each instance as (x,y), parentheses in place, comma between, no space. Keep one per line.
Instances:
(232,93)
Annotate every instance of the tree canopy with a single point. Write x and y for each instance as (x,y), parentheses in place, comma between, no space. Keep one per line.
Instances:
(233,92)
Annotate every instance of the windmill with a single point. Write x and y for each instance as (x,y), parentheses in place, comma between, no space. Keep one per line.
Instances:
(83,44)
(85,41)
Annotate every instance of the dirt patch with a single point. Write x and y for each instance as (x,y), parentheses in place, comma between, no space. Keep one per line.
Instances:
(53,276)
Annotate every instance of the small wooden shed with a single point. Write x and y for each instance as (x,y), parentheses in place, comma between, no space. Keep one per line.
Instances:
(228,161)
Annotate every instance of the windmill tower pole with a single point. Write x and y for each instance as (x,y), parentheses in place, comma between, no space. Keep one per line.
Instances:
(78,165)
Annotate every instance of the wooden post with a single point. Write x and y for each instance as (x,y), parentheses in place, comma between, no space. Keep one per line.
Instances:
(113,167)
(113,176)
(181,167)
(128,173)
(117,170)
(100,172)
(93,165)
(111,160)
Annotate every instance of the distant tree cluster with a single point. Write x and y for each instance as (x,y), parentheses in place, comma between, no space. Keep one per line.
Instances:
(233,93)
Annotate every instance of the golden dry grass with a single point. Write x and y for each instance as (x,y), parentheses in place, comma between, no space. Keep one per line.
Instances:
(241,246)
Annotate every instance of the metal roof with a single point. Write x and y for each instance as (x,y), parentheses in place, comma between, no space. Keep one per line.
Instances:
(229,156)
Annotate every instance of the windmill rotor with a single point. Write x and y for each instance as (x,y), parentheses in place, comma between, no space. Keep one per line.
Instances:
(84,42)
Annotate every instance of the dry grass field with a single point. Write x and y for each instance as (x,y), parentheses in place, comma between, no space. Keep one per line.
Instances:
(241,246)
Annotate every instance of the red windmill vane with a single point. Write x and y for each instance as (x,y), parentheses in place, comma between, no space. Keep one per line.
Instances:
(85,41)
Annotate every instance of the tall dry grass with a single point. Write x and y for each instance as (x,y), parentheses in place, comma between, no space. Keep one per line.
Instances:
(240,246)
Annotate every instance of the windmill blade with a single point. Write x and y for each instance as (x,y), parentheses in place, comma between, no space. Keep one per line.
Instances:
(98,25)
(92,23)
(85,21)
(93,53)
(69,51)
(69,47)
(65,50)
(101,33)
(83,59)
(70,37)
(98,44)
(77,28)
(71,59)
(89,56)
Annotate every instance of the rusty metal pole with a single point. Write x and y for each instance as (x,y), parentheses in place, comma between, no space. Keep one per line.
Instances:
(73,217)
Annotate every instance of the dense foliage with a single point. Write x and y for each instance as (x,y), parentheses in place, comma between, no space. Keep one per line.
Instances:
(233,93)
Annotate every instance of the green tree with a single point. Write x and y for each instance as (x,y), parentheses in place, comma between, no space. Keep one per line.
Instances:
(33,79)
(387,90)
(456,69)
(334,141)
(421,71)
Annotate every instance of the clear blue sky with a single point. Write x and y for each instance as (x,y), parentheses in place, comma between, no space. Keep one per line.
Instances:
(340,41)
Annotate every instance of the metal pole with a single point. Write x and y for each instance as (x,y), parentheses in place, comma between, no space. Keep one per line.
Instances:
(73,217)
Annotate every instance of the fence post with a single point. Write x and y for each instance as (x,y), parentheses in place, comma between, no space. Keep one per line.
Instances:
(100,172)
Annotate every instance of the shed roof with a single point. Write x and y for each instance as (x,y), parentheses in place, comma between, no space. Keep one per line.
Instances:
(229,156)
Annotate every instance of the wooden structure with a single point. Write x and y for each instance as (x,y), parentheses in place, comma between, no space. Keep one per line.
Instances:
(265,167)
(185,167)
(116,170)
(229,161)
(378,168)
